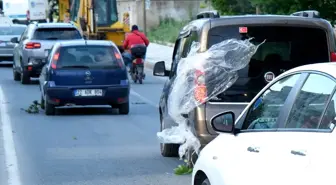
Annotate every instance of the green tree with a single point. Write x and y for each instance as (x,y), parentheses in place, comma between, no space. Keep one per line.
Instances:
(233,7)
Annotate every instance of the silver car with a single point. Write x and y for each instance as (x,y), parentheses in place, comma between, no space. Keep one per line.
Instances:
(8,31)
(34,45)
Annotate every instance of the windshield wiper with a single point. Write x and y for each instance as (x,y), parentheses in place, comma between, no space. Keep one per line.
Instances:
(75,67)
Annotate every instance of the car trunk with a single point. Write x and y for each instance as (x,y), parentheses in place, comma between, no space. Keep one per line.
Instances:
(285,47)
(73,77)
(88,65)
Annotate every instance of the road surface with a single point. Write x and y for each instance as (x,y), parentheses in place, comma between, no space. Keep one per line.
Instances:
(83,146)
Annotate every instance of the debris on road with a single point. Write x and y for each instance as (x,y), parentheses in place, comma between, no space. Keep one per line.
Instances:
(217,67)
(34,108)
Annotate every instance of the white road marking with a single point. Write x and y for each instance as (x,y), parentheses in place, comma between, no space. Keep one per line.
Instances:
(144,99)
(9,147)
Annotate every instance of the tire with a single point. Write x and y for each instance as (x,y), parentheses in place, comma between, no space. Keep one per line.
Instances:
(206,182)
(16,75)
(25,78)
(42,103)
(124,108)
(49,108)
(168,150)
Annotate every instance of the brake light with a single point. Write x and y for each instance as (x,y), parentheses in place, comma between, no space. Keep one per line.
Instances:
(117,55)
(33,45)
(54,61)
(200,91)
(333,56)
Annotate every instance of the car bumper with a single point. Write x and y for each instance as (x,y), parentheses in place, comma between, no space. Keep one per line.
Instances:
(112,95)
(6,54)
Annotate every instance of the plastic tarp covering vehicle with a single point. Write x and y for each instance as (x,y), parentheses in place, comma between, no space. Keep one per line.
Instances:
(219,66)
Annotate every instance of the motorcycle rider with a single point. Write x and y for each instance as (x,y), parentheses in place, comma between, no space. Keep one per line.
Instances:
(134,38)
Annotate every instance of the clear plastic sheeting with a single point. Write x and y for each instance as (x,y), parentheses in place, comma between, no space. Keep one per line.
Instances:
(200,77)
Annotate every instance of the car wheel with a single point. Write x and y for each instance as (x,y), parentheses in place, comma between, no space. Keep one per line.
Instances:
(206,182)
(16,75)
(25,78)
(42,103)
(49,109)
(124,108)
(168,150)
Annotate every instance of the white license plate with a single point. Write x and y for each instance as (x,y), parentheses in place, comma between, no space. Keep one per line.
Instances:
(2,44)
(89,92)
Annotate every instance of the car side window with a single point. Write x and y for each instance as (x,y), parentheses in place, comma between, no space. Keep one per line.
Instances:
(176,56)
(310,103)
(24,35)
(263,114)
(328,120)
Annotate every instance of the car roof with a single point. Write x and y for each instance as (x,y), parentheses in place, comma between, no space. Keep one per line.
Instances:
(327,68)
(86,42)
(254,19)
(54,25)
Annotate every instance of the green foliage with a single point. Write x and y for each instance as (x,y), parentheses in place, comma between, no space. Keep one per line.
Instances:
(34,108)
(326,8)
(183,169)
(167,31)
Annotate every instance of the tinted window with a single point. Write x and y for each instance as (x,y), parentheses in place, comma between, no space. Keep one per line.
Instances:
(106,11)
(311,102)
(56,34)
(289,44)
(329,118)
(265,111)
(94,57)
(11,30)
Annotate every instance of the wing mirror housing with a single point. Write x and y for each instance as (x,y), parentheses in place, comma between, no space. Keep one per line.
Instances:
(160,69)
(14,40)
(224,122)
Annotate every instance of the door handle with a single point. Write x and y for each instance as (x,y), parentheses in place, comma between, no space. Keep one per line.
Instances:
(253,149)
(298,152)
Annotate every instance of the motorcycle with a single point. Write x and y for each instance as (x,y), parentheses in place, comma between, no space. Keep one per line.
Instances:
(137,71)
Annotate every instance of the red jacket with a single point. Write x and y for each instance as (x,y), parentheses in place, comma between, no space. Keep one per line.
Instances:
(134,38)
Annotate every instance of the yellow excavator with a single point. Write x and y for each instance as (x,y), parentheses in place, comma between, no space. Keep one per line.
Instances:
(97,19)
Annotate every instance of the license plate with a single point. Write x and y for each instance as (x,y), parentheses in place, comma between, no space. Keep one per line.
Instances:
(46,52)
(2,44)
(89,92)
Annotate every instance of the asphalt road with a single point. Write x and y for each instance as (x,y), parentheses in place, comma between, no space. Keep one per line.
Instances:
(82,146)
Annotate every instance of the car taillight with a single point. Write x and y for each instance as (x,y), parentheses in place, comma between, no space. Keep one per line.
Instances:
(333,56)
(28,15)
(200,91)
(33,45)
(54,61)
(118,57)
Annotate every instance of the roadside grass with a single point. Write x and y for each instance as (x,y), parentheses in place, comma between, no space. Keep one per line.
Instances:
(167,31)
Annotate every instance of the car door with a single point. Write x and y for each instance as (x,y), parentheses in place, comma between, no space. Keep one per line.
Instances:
(17,48)
(256,145)
(21,45)
(308,144)
(167,85)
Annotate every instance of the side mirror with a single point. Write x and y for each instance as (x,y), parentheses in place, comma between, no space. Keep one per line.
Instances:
(160,69)
(14,40)
(223,122)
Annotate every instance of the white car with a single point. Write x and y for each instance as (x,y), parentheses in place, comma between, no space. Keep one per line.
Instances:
(284,136)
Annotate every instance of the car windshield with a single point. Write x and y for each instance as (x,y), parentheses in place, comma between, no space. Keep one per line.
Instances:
(56,34)
(11,30)
(93,57)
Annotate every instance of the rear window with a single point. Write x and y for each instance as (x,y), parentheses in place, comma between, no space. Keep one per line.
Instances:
(56,34)
(299,45)
(11,30)
(92,57)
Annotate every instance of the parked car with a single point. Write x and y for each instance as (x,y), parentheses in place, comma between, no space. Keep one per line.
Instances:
(34,44)
(84,73)
(8,31)
(291,41)
(287,129)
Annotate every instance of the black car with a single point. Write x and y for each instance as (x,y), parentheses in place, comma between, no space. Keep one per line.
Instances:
(291,41)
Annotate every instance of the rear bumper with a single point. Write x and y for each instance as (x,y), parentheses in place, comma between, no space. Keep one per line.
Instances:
(112,95)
